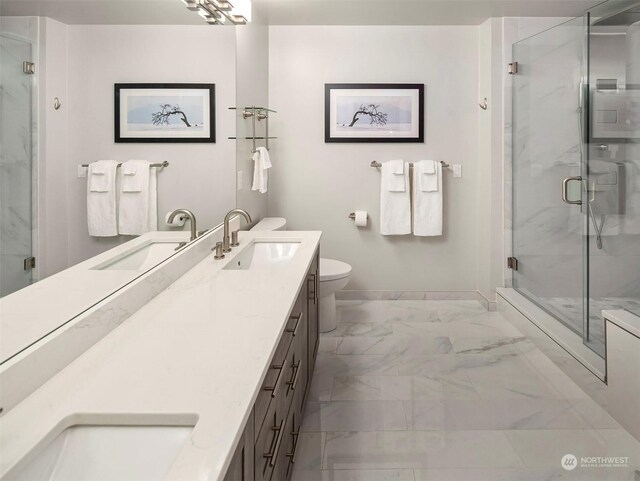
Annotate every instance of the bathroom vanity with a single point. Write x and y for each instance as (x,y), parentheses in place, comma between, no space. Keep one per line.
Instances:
(213,372)
(267,449)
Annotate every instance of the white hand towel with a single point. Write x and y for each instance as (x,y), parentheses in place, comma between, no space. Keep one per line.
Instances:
(261,165)
(97,179)
(101,198)
(427,175)
(138,211)
(427,205)
(396,175)
(134,176)
(395,206)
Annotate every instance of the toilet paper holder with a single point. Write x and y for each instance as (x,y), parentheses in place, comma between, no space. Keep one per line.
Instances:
(352,216)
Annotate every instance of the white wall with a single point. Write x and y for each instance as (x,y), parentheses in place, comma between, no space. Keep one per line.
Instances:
(201,177)
(252,89)
(490,157)
(316,185)
(53,255)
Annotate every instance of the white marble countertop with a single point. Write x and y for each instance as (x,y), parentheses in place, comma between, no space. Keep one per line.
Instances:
(196,354)
(624,319)
(33,312)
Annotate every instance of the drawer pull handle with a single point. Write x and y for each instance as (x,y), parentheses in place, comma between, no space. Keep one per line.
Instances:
(295,328)
(276,446)
(274,388)
(312,293)
(294,380)
(292,455)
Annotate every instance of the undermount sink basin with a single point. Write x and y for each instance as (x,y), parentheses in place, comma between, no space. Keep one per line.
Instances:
(108,453)
(141,258)
(264,255)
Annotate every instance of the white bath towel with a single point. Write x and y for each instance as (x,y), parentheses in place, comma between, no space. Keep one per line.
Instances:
(428,176)
(396,174)
(138,210)
(101,198)
(395,207)
(427,204)
(261,166)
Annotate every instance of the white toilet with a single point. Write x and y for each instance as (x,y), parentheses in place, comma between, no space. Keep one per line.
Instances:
(334,275)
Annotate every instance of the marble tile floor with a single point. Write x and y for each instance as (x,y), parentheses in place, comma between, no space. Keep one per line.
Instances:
(446,391)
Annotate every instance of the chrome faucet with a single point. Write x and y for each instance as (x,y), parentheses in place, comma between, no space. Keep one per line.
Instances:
(190,216)
(226,240)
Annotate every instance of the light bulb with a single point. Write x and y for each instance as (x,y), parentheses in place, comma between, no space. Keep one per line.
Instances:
(242,8)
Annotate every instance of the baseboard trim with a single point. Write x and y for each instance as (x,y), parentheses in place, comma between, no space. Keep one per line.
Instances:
(363,295)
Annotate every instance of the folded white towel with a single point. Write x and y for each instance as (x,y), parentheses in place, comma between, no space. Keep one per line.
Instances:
(101,199)
(98,181)
(427,205)
(395,206)
(138,211)
(428,175)
(134,176)
(261,165)
(98,168)
(428,166)
(396,175)
(397,167)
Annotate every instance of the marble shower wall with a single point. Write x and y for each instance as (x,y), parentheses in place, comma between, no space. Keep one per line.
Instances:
(514,30)
(18,152)
(545,148)
(615,269)
(548,235)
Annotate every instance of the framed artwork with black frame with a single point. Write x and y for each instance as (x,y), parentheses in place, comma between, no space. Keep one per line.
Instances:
(169,113)
(374,113)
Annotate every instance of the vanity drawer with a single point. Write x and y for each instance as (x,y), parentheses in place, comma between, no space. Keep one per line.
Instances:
(274,386)
(300,355)
(295,362)
(241,467)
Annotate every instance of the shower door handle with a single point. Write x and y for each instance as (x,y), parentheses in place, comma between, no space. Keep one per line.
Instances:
(565,190)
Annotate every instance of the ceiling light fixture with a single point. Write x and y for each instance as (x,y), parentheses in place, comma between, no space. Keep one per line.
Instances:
(217,12)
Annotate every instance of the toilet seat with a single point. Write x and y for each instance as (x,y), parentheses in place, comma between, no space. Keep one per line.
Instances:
(331,270)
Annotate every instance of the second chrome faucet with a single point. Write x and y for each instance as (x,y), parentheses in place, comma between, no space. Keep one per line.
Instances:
(226,239)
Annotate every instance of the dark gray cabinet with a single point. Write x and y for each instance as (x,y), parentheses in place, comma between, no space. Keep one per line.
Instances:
(268,446)
(241,468)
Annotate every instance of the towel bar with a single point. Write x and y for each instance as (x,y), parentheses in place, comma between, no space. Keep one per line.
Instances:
(377,164)
(160,166)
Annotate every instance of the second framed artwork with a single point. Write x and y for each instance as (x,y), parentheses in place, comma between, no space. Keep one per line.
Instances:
(165,113)
(374,113)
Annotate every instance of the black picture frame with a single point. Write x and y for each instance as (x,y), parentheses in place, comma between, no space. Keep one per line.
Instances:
(164,137)
(419,138)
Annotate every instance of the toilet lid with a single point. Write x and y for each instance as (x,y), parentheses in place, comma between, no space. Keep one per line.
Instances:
(331,270)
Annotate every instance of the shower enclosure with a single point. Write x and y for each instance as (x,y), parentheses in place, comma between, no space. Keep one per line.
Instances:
(576,168)
(15,162)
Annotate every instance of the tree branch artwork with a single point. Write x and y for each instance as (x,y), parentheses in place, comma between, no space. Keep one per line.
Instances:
(375,116)
(167,110)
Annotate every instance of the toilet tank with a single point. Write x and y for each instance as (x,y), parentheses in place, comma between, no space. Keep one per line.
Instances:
(271,223)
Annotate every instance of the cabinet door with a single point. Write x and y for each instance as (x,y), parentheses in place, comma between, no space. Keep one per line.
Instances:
(242,463)
(313,284)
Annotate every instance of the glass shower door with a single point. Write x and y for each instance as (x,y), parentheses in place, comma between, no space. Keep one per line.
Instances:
(548,152)
(15,165)
(614,164)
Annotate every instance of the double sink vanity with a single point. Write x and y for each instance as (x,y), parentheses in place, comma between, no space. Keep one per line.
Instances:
(205,380)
